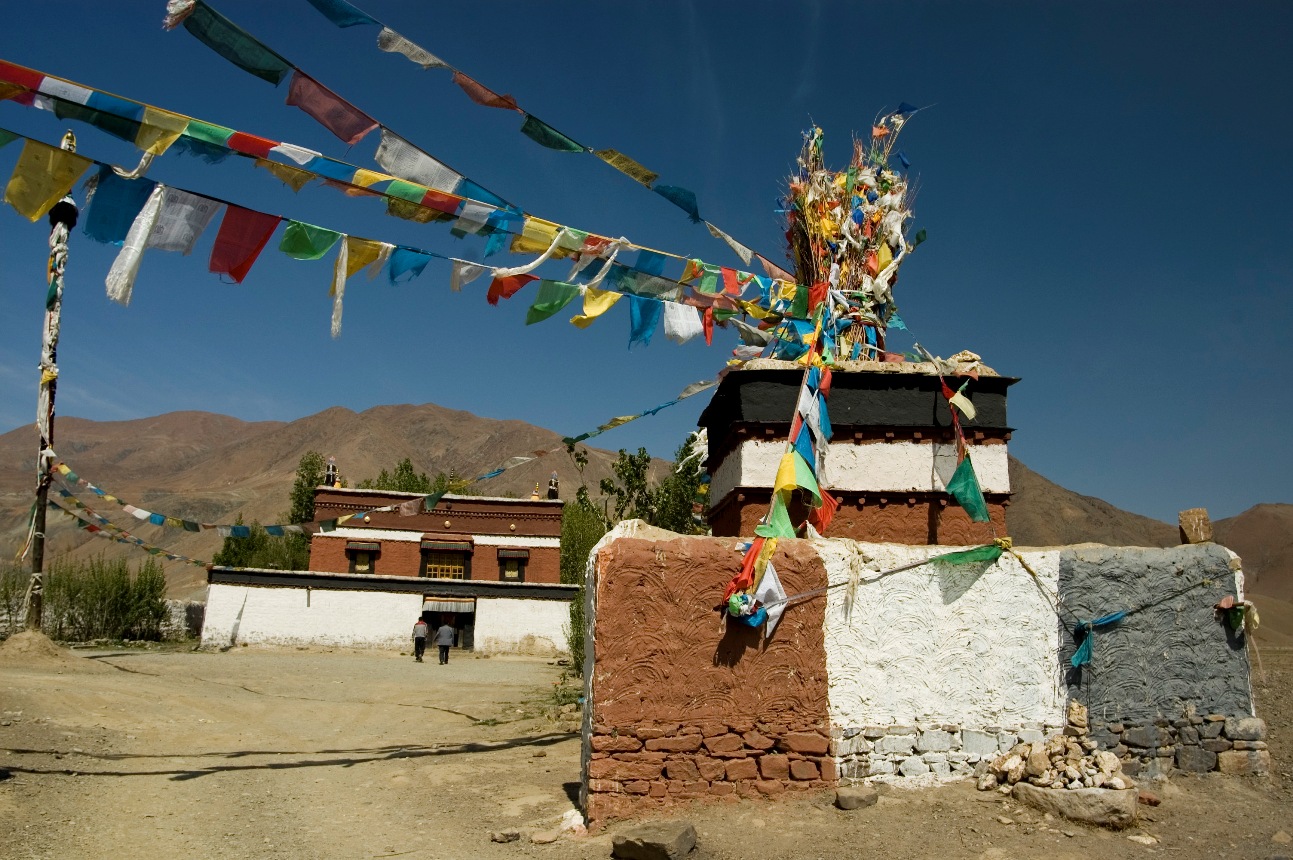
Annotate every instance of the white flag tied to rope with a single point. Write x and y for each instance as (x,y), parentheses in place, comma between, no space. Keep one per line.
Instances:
(681,322)
(121,277)
(180,222)
(772,596)
(389,40)
(464,273)
(400,158)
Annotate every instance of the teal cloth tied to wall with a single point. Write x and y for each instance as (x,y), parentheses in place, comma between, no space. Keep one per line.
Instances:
(1083,631)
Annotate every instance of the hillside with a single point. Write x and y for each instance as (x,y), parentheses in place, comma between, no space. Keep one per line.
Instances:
(211,468)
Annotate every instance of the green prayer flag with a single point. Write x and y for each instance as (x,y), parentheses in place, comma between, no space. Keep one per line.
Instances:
(306,242)
(552,297)
(7,137)
(964,487)
(778,524)
(921,236)
(805,479)
(799,308)
(235,44)
(205,132)
(989,553)
(117,126)
(545,135)
(410,191)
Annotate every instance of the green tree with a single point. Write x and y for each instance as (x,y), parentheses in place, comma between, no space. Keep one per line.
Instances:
(630,495)
(678,494)
(582,526)
(405,479)
(670,504)
(309,475)
(290,551)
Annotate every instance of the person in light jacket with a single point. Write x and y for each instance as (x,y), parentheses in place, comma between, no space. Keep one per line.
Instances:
(419,639)
(444,637)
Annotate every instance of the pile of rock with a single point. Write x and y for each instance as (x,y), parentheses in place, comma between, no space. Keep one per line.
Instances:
(1068,760)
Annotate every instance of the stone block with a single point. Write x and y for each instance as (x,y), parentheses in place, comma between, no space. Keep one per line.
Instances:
(913,766)
(1250,745)
(603,786)
(637,786)
(1145,737)
(935,740)
(1244,762)
(1006,740)
(979,743)
(809,743)
(711,769)
(1211,729)
(1196,526)
(1245,729)
(769,787)
(1100,806)
(1131,766)
(774,767)
(830,770)
(1217,745)
(623,771)
(1105,738)
(1031,736)
(742,769)
(879,766)
(856,797)
(722,789)
(711,730)
(658,789)
(873,732)
(724,743)
(849,746)
(1157,768)
(900,744)
(613,743)
(758,740)
(682,769)
(1189,736)
(647,733)
(656,840)
(1195,760)
(803,769)
(678,743)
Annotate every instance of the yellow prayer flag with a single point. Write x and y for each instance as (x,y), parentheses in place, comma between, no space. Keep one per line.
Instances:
(293,177)
(365,178)
(536,236)
(785,482)
(761,563)
(596,303)
(755,311)
(42,176)
(359,253)
(159,129)
(884,256)
(627,166)
(961,402)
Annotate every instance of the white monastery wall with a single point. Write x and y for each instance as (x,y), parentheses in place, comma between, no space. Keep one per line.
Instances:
(506,625)
(283,615)
(970,645)
(873,467)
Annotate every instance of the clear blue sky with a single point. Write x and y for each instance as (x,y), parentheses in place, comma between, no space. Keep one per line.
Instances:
(1105,186)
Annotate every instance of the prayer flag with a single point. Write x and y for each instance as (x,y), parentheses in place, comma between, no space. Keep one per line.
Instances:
(159,129)
(293,177)
(681,322)
(406,261)
(536,236)
(773,597)
(505,288)
(235,44)
(964,487)
(644,316)
(596,303)
(7,137)
(744,578)
(552,297)
(778,524)
(183,218)
(772,270)
(821,517)
(390,41)
(400,158)
(205,132)
(683,198)
(545,135)
(250,144)
(961,402)
(43,176)
(113,206)
(743,252)
(334,113)
(464,273)
(627,166)
(473,217)
(482,95)
(243,235)
(342,13)
(299,154)
(303,241)
(988,553)
(121,277)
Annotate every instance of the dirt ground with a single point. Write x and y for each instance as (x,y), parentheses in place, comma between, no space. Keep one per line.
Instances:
(317,754)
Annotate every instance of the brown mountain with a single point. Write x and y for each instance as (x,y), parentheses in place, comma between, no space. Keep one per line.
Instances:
(211,468)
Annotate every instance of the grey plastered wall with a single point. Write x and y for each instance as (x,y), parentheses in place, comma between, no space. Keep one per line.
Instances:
(1158,661)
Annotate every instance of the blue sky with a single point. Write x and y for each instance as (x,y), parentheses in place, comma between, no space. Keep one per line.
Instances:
(1105,187)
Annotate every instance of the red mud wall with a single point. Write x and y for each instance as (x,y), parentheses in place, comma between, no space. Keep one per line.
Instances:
(686,705)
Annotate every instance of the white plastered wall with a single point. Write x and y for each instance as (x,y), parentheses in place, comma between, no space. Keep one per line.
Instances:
(973,645)
(282,615)
(872,467)
(508,625)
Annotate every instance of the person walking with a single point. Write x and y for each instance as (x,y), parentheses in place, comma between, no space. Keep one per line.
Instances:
(419,639)
(444,637)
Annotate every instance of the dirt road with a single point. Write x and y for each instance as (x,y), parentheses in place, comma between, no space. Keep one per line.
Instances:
(313,754)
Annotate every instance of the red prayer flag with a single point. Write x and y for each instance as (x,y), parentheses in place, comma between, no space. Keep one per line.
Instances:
(482,95)
(23,78)
(772,270)
(821,517)
(333,112)
(505,288)
(744,580)
(250,144)
(824,382)
(243,234)
(730,285)
(707,323)
(817,294)
(878,131)
(441,202)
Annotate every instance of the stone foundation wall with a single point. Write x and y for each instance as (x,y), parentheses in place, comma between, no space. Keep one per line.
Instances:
(1195,744)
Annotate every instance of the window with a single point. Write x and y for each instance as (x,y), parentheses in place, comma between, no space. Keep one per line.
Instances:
(363,555)
(511,569)
(444,565)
